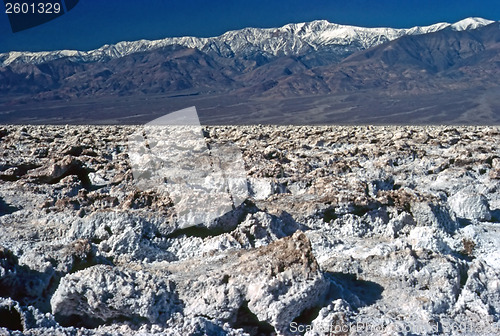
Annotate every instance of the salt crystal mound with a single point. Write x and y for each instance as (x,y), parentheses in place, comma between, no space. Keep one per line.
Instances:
(170,155)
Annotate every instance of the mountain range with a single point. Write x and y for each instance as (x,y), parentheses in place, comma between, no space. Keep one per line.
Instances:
(315,72)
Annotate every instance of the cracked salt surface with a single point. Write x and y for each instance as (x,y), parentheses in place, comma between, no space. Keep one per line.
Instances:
(394,220)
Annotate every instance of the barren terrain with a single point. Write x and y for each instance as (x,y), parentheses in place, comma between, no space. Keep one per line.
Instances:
(358,230)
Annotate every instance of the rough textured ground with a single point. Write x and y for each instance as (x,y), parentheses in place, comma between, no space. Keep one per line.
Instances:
(353,230)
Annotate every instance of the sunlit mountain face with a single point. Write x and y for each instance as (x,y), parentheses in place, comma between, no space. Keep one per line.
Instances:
(442,73)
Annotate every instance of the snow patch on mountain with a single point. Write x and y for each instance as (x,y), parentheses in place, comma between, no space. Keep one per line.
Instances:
(291,39)
(470,23)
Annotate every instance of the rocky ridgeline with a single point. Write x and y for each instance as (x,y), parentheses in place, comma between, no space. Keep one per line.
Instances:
(355,230)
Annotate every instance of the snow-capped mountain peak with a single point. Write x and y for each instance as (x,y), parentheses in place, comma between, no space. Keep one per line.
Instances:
(470,23)
(291,39)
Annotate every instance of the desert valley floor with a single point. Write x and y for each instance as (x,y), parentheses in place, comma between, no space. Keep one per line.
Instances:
(387,230)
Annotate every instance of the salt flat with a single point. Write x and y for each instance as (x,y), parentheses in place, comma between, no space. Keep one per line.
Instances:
(356,229)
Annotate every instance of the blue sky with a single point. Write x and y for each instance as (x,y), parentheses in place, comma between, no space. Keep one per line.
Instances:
(93,23)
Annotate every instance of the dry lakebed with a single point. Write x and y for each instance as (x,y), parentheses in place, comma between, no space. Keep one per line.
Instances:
(342,230)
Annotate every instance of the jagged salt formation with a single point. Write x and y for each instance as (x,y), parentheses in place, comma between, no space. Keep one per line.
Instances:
(345,228)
